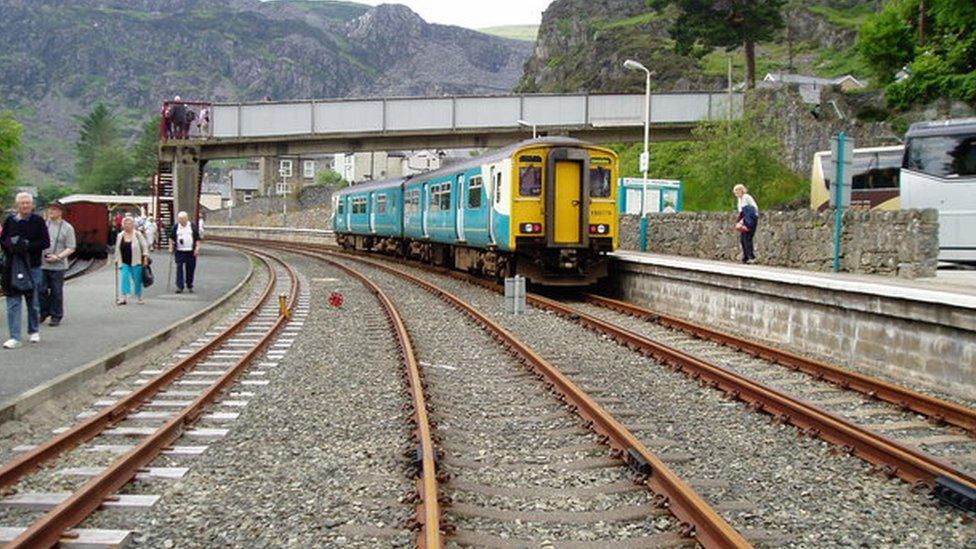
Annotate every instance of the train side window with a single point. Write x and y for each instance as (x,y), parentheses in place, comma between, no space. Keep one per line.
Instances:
(474,192)
(530,181)
(599,182)
(433,203)
(445,197)
(342,207)
(381,204)
(498,187)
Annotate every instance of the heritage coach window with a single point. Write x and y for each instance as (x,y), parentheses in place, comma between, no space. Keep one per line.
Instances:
(599,182)
(474,193)
(530,181)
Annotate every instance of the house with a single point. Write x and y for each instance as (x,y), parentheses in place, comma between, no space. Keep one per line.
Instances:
(810,87)
(286,174)
(377,165)
(245,184)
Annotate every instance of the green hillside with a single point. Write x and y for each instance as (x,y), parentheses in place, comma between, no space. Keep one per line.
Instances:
(527,33)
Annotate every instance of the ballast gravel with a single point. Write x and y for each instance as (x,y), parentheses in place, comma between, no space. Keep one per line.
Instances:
(800,491)
(501,429)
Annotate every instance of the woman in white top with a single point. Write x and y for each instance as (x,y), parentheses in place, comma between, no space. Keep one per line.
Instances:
(747,222)
(131,253)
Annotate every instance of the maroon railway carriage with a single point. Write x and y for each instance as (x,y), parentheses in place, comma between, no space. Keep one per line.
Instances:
(90,215)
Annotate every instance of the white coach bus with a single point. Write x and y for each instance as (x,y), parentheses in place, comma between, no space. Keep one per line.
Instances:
(939,171)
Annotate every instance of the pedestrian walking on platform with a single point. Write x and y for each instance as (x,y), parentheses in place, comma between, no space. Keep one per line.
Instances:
(747,223)
(131,253)
(62,236)
(150,230)
(184,241)
(24,238)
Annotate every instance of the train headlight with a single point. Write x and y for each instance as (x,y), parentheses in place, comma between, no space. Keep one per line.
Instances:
(600,229)
(531,228)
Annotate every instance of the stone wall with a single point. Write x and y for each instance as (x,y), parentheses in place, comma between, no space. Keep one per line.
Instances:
(896,243)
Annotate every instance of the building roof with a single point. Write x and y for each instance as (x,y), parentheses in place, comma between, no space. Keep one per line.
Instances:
(786,78)
(245,180)
(107,199)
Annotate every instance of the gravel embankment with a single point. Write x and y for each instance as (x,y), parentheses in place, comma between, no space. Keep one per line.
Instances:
(796,487)
(316,457)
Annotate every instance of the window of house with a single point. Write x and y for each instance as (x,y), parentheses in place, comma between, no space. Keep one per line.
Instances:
(474,192)
(381,204)
(530,181)
(308,169)
(282,188)
(285,168)
(248,197)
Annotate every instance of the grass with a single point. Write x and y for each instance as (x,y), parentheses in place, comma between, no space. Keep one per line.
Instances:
(642,19)
(851,18)
(526,33)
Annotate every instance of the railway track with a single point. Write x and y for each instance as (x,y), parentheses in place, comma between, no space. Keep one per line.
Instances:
(500,429)
(179,405)
(863,434)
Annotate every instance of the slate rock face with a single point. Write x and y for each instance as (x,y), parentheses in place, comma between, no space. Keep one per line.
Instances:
(62,56)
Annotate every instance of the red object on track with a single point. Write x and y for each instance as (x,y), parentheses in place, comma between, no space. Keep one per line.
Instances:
(336,299)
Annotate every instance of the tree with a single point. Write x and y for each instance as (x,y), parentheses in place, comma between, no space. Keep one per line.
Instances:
(934,39)
(707,24)
(98,130)
(10,134)
(331,178)
(111,173)
(722,155)
(145,151)
(50,193)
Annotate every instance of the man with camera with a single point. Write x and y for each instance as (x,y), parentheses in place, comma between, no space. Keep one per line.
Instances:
(186,238)
(24,237)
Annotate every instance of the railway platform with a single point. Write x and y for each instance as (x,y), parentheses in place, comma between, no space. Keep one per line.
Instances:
(96,334)
(923,330)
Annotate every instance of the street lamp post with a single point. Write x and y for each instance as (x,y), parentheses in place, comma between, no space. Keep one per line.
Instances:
(521,122)
(645,158)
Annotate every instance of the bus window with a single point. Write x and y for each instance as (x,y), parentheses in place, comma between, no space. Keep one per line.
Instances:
(943,155)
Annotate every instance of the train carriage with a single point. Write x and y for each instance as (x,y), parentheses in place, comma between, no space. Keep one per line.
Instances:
(543,208)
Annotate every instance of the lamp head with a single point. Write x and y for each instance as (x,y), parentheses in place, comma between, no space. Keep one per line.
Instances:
(634,65)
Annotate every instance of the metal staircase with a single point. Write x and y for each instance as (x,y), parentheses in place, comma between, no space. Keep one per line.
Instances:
(163,203)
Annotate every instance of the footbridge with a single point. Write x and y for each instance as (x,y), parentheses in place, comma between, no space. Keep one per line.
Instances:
(239,130)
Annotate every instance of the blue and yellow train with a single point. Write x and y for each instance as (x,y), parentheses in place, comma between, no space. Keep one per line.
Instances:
(544,209)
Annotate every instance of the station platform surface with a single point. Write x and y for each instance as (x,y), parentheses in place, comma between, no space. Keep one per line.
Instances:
(94,326)
(949,287)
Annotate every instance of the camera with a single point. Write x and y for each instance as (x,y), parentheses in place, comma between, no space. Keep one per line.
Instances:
(181,241)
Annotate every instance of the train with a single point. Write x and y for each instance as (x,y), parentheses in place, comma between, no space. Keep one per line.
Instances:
(544,209)
(90,215)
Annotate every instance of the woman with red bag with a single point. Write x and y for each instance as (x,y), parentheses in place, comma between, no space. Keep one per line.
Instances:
(747,222)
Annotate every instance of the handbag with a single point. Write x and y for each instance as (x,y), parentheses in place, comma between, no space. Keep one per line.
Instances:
(147,276)
(741,227)
(20,275)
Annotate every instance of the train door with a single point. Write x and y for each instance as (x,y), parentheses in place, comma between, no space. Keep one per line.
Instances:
(567,197)
(424,206)
(372,212)
(348,209)
(459,216)
(492,202)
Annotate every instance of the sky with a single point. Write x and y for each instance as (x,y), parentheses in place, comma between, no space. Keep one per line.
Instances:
(474,14)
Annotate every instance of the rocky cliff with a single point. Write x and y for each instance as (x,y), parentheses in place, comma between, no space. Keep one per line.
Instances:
(582,45)
(58,57)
